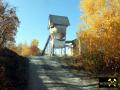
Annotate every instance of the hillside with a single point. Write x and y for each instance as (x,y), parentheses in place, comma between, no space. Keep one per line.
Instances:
(13,70)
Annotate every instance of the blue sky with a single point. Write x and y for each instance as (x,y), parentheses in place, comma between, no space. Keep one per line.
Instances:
(34,14)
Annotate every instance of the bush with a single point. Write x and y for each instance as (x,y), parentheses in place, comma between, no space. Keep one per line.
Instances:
(96,63)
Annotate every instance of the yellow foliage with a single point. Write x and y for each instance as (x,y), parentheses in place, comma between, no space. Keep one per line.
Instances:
(25,50)
(34,47)
(34,42)
(102,18)
(28,50)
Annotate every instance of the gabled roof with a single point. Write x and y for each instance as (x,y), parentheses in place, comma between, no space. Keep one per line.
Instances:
(58,20)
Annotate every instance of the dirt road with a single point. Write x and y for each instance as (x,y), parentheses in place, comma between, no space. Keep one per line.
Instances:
(46,73)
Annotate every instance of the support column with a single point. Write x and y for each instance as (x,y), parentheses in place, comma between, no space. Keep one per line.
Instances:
(65,47)
(53,51)
(61,51)
(65,51)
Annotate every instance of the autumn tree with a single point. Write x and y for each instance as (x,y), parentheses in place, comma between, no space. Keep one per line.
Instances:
(102,17)
(100,33)
(25,50)
(8,24)
(21,49)
(34,47)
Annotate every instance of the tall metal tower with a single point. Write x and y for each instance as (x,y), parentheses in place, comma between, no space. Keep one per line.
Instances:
(57,28)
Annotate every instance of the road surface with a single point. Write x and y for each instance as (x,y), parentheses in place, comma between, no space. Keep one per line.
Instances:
(46,73)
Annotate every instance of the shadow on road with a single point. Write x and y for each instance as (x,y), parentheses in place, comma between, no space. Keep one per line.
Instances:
(44,76)
(35,83)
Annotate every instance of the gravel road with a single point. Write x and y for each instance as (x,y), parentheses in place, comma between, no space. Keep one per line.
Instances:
(46,73)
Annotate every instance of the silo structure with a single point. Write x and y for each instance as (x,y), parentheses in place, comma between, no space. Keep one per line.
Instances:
(57,28)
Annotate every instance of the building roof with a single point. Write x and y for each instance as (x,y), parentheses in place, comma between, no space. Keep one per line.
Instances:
(58,20)
(71,41)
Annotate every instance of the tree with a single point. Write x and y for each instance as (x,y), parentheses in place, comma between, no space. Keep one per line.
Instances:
(100,34)
(25,50)
(8,24)
(34,47)
(102,18)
